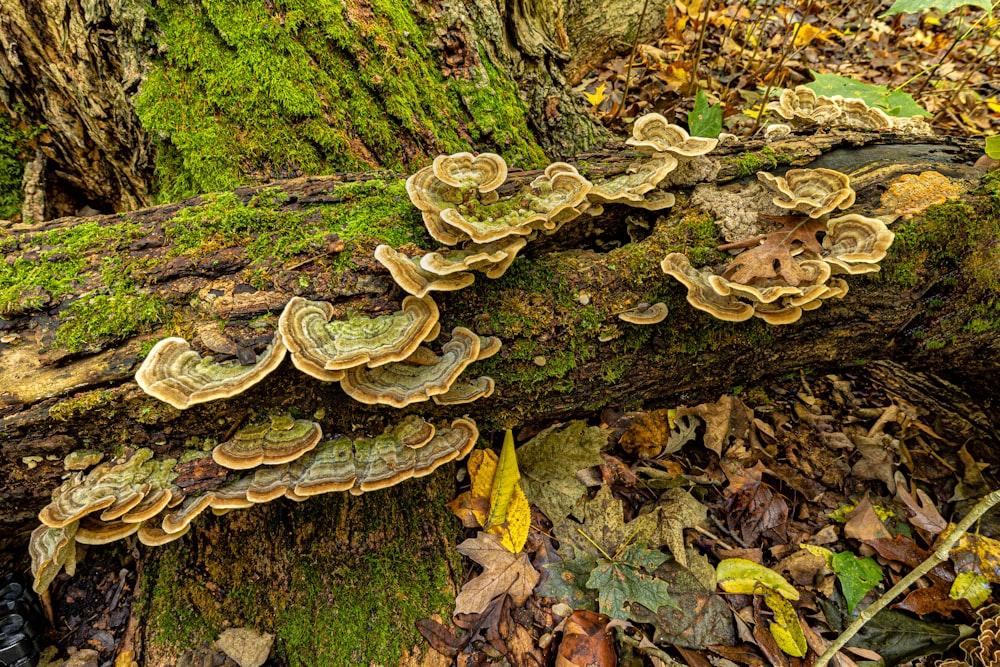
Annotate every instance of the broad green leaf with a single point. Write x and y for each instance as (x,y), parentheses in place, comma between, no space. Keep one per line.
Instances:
(549,463)
(993,146)
(739,575)
(704,120)
(856,575)
(786,629)
(628,579)
(899,638)
(504,481)
(567,582)
(944,6)
(970,586)
(893,102)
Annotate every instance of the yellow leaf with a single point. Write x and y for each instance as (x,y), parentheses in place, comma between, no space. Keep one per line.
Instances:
(822,552)
(504,482)
(482,468)
(985,552)
(993,105)
(786,629)
(596,97)
(514,533)
(739,575)
(970,586)
(671,413)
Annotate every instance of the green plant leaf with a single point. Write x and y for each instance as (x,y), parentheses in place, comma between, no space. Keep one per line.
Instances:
(970,586)
(900,638)
(704,120)
(993,146)
(567,582)
(944,6)
(893,102)
(504,482)
(856,575)
(628,580)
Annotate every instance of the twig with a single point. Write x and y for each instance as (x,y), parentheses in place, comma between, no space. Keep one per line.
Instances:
(693,81)
(939,556)
(631,57)
(632,641)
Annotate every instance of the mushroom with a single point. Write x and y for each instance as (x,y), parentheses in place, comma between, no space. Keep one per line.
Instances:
(493,258)
(857,114)
(152,504)
(802,107)
(631,187)
(179,519)
(176,374)
(401,383)
(447,445)
(485,172)
(51,549)
(92,531)
(654,135)
(856,239)
(814,192)
(315,341)
(154,536)
(381,462)
(701,294)
(281,440)
(467,392)
(645,314)
(409,275)
(331,468)
(233,494)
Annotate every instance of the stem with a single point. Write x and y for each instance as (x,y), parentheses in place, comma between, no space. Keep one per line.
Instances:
(939,556)
(693,82)
(777,68)
(631,57)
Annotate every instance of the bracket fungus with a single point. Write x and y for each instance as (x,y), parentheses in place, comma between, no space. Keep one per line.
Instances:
(402,383)
(51,549)
(493,259)
(318,345)
(632,186)
(176,374)
(467,392)
(485,172)
(802,107)
(281,440)
(814,192)
(645,314)
(413,278)
(653,134)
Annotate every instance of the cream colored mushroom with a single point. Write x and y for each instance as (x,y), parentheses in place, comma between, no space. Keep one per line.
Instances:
(176,374)
(409,275)
(653,134)
(401,383)
(485,172)
(701,293)
(280,440)
(645,314)
(467,392)
(814,192)
(632,186)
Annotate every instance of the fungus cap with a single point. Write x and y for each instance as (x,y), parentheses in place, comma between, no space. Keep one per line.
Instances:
(447,445)
(645,314)
(271,443)
(653,134)
(857,239)
(467,392)
(153,535)
(409,275)
(484,172)
(814,192)
(331,468)
(176,374)
(401,383)
(51,549)
(631,187)
(91,531)
(701,294)
(179,519)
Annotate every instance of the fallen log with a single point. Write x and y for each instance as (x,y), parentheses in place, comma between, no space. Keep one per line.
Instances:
(84,299)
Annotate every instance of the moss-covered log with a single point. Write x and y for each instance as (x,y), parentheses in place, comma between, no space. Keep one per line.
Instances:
(82,300)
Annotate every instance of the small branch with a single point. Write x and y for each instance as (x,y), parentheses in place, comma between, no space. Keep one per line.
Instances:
(939,556)
(628,70)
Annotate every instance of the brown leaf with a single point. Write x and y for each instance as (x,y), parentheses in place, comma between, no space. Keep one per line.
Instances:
(902,549)
(931,600)
(726,418)
(751,506)
(864,524)
(765,640)
(585,642)
(773,257)
(441,638)
(925,515)
(503,572)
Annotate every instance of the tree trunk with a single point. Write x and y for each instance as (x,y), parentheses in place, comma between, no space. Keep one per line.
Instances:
(188,97)
(95,293)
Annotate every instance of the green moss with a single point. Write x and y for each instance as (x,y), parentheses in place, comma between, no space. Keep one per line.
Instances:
(71,408)
(266,90)
(108,317)
(14,144)
(750,162)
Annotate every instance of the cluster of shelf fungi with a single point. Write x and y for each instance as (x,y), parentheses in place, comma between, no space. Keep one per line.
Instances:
(391,359)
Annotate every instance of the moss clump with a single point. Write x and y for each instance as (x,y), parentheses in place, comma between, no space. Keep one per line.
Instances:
(750,162)
(13,150)
(108,317)
(258,91)
(350,576)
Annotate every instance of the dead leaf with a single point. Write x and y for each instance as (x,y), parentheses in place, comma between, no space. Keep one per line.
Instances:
(503,572)
(932,600)
(752,507)
(585,642)
(864,524)
(878,456)
(773,256)
(924,515)
(649,434)
(728,418)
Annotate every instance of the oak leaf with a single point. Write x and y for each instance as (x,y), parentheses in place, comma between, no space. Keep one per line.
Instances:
(503,572)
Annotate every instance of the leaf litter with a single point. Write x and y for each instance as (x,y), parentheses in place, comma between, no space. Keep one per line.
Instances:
(757,539)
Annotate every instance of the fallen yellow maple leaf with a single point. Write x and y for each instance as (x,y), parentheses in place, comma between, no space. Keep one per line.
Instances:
(596,97)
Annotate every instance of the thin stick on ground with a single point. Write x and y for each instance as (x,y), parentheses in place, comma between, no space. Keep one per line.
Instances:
(631,58)
(939,556)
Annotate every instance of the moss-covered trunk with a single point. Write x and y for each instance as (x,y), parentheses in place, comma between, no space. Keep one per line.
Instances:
(129,102)
(84,299)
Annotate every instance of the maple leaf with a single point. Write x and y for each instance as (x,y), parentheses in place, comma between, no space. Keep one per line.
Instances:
(628,579)
(503,572)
